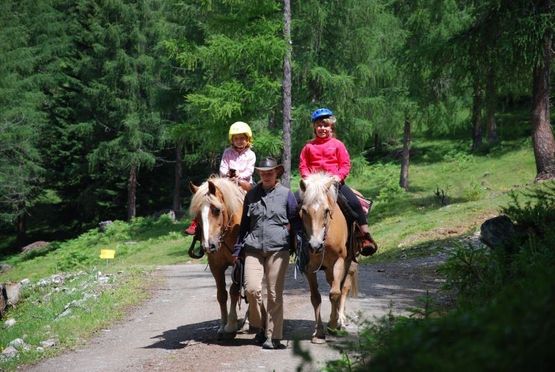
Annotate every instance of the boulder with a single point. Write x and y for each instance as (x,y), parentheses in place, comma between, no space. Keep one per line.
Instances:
(103,225)
(34,246)
(3,300)
(4,267)
(498,232)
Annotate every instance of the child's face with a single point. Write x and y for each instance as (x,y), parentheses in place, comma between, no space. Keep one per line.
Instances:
(239,141)
(322,128)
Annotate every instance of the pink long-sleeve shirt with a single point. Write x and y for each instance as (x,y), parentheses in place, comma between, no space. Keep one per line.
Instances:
(325,154)
(242,161)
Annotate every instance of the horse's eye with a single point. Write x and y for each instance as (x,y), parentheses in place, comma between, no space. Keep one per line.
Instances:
(215,210)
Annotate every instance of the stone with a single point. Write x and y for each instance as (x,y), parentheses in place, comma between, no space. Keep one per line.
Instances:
(497,232)
(38,245)
(103,225)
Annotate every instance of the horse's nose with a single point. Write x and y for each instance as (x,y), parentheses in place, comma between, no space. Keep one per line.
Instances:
(213,248)
(317,248)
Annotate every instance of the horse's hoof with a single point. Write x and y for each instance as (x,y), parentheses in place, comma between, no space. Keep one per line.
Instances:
(318,340)
(226,335)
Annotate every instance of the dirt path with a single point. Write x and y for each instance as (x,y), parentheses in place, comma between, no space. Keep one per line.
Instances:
(176,328)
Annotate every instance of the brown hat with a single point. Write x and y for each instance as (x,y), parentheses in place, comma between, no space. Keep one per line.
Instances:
(269,163)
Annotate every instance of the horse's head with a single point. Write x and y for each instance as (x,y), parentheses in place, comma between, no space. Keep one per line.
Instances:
(319,197)
(216,204)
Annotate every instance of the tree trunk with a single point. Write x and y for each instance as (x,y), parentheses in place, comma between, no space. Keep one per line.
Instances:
(21,229)
(286,161)
(377,142)
(404,180)
(477,117)
(542,135)
(491,103)
(132,193)
(176,205)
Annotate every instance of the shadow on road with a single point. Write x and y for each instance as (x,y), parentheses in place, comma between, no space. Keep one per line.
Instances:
(206,333)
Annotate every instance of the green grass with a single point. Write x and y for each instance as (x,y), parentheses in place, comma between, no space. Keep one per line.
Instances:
(403,224)
(476,186)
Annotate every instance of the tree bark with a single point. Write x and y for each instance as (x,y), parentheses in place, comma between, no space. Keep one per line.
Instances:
(21,229)
(477,117)
(132,193)
(286,161)
(542,135)
(491,103)
(404,180)
(377,142)
(176,204)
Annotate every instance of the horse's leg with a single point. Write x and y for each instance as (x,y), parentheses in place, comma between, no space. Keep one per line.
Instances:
(232,325)
(345,289)
(319,335)
(335,278)
(221,295)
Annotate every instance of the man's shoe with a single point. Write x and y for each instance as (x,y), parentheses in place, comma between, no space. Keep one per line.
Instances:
(368,245)
(273,344)
(260,337)
(192,228)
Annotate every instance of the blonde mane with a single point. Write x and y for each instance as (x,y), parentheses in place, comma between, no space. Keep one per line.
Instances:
(233,196)
(318,187)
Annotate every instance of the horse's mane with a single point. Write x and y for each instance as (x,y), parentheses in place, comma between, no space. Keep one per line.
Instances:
(233,195)
(317,187)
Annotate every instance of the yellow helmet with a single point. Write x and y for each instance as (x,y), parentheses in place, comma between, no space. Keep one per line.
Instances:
(240,127)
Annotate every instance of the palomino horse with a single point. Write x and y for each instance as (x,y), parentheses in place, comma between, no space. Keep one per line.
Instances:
(326,233)
(217,205)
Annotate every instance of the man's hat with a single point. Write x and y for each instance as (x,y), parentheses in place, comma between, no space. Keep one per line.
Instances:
(269,163)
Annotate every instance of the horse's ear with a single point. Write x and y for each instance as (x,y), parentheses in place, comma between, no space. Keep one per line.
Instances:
(302,185)
(192,187)
(211,188)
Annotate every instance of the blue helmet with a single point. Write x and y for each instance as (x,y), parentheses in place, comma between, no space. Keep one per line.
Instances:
(320,113)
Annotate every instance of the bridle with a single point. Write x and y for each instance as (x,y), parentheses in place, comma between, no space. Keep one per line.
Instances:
(226,223)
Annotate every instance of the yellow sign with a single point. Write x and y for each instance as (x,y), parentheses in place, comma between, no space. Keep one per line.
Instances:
(107,253)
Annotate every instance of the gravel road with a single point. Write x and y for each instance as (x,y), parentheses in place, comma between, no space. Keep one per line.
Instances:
(175,330)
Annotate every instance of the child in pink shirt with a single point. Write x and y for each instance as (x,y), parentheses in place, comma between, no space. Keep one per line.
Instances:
(237,161)
(328,154)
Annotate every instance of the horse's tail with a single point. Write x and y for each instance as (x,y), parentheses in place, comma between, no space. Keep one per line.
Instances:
(353,273)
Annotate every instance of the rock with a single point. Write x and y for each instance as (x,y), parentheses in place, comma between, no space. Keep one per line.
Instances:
(13,290)
(3,300)
(48,343)
(103,225)
(25,282)
(4,267)
(34,246)
(9,323)
(19,344)
(168,212)
(9,352)
(497,232)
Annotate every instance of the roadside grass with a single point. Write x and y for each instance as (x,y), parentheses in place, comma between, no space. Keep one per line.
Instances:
(416,222)
(68,312)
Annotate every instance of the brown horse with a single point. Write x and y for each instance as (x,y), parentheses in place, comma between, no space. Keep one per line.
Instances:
(327,233)
(217,205)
